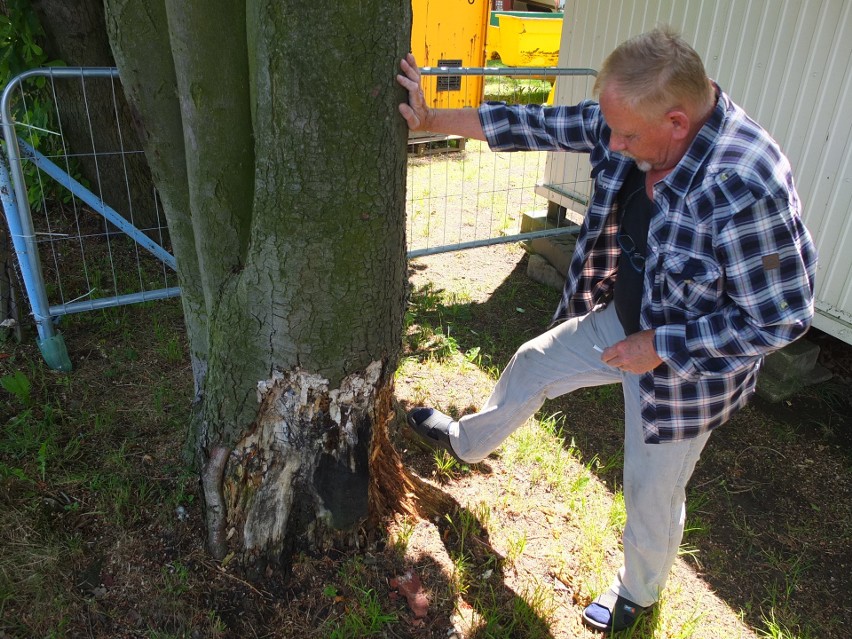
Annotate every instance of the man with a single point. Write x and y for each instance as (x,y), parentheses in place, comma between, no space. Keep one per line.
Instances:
(691,265)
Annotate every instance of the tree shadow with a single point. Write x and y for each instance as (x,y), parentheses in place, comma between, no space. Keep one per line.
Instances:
(769,518)
(477,576)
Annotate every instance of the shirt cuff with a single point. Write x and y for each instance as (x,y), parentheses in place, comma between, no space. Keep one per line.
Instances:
(496,125)
(670,342)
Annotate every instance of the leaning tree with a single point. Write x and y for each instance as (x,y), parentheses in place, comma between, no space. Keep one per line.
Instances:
(272,132)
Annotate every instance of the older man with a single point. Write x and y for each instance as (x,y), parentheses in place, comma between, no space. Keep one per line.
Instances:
(691,265)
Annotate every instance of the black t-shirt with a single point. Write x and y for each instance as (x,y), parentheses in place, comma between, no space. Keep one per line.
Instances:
(636,210)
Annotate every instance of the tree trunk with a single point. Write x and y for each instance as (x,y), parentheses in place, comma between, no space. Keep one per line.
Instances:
(294,167)
(100,126)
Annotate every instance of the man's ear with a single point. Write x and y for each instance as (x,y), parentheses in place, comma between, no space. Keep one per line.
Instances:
(679,122)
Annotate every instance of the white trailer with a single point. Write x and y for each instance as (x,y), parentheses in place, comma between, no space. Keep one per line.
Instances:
(789,64)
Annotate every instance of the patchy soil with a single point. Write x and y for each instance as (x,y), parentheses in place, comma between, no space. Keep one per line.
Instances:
(771,504)
(772,490)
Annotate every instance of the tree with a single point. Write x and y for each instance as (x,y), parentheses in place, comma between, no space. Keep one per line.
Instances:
(273,136)
(75,33)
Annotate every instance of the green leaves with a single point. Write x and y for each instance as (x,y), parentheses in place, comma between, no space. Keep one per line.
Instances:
(18,385)
(32,106)
(19,34)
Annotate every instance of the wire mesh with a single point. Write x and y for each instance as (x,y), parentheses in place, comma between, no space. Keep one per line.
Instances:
(461,194)
(96,218)
(97,223)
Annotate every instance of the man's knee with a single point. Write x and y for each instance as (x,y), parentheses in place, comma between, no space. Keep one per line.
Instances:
(529,352)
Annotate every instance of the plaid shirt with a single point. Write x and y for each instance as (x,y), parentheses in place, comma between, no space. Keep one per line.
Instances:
(729,267)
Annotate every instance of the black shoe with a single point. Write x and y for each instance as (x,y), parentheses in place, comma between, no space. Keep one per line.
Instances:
(612,613)
(434,427)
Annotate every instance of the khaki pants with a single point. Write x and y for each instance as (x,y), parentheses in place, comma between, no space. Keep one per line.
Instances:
(655,475)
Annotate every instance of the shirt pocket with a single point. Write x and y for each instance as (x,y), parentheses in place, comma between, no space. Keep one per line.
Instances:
(690,286)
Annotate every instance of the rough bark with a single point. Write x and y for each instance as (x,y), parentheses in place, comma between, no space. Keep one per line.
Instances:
(144,58)
(101,123)
(294,172)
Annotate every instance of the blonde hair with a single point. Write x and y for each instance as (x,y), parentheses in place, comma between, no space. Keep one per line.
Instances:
(655,72)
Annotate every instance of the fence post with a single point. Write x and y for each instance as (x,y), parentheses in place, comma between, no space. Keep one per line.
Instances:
(50,343)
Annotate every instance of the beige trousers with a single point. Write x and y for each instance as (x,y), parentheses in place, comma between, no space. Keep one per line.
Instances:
(564,359)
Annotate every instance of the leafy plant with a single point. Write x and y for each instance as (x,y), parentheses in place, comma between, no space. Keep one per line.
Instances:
(402,534)
(446,466)
(20,35)
(18,385)
(515,546)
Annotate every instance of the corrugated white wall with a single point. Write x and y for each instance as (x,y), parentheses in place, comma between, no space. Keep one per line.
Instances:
(789,64)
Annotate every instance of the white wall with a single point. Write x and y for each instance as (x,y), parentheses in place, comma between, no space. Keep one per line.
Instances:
(789,64)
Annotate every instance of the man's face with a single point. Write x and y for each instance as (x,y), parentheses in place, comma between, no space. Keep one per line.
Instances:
(648,140)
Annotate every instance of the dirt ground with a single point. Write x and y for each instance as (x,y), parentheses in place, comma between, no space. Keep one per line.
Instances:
(773,485)
(771,505)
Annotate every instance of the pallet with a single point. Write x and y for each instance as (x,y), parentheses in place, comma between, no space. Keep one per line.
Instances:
(434,143)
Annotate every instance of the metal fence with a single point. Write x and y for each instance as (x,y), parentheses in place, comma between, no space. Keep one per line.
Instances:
(462,195)
(78,243)
(88,235)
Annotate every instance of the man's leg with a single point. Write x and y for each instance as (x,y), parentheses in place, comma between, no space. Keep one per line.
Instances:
(655,479)
(559,361)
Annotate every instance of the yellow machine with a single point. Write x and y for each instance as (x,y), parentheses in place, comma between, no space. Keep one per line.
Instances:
(450,33)
(524,39)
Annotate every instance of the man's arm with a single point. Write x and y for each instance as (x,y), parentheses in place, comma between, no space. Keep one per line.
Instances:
(420,117)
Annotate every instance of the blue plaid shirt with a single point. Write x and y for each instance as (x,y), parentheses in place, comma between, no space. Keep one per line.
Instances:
(729,267)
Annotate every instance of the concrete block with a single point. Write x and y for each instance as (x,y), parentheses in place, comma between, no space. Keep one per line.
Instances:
(789,370)
(557,250)
(774,390)
(534,221)
(793,361)
(540,270)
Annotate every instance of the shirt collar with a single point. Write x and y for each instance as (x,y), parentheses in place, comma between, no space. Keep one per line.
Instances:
(681,178)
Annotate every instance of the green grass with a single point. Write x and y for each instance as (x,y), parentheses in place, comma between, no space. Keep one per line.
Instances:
(585,482)
(72,461)
(515,90)
(357,610)
(777,629)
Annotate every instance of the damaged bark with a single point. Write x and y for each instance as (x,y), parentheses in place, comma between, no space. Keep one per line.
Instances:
(211,484)
(299,480)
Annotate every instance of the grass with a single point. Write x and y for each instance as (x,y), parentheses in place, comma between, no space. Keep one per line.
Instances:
(514,90)
(476,194)
(356,608)
(440,213)
(72,463)
(544,457)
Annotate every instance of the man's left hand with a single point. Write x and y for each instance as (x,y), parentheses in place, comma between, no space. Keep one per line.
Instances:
(634,354)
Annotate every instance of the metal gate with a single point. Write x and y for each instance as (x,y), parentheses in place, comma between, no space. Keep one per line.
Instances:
(76,252)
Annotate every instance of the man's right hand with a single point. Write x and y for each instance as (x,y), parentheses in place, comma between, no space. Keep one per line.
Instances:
(415,111)
(420,117)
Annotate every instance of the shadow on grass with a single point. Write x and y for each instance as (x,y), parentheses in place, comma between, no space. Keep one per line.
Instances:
(492,607)
(769,516)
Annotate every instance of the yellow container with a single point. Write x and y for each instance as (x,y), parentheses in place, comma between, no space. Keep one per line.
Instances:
(524,41)
(450,33)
